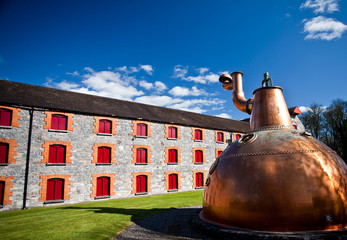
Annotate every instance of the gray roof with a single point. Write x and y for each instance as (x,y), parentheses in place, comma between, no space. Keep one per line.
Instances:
(13,93)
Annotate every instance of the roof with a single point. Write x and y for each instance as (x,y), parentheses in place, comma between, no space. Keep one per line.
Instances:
(14,93)
(294,111)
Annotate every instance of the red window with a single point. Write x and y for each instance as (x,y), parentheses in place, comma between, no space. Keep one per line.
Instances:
(141,155)
(172,132)
(55,189)
(295,127)
(103,186)
(172,156)
(2,191)
(198,134)
(198,156)
(141,129)
(220,137)
(56,154)
(237,136)
(3,152)
(219,153)
(141,184)
(199,180)
(5,117)
(173,181)
(104,155)
(59,122)
(105,126)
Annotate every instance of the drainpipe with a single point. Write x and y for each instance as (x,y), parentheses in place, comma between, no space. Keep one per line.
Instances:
(31,114)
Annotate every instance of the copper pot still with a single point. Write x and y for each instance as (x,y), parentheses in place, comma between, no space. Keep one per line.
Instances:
(274,178)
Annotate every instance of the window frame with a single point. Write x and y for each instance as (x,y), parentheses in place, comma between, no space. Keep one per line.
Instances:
(134,155)
(203,155)
(102,127)
(135,129)
(101,150)
(133,185)
(4,123)
(59,156)
(58,189)
(59,125)
(14,118)
(105,182)
(4,152)
(141,156)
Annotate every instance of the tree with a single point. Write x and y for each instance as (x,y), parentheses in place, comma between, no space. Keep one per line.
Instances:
(313,120)
(335,118)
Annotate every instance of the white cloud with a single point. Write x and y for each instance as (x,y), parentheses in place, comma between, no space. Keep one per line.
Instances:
(182,91)
(146,85)
(66,86)
(323,28)
(157,100)
(321,6)
(223,115)
(147,68)
(304,109)
(180,71)
(75,73)
(196,103)
(203,77)
(160,86)
(202,70)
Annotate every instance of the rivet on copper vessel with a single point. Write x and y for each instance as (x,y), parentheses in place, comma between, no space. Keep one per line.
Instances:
(274,179)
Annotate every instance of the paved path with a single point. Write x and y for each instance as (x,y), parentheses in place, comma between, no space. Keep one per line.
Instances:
(172,224)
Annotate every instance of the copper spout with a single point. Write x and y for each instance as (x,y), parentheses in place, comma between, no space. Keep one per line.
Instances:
(234,82)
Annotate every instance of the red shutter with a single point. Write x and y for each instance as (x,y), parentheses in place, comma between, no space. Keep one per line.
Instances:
(50,189)
(141,184)
(219,153)
(100,155)
(173,181)
(56,154)
(108,126)
(59,122)
(172,155)
(106,186)
(59,189)
(52,158)
(62,122)
(102,186)
(55,189)
(99,187)
(55,122)
(141,155)
(199,179)
(104,155)
(141,129)
(105,126)
(198,134)
(237,136)
(172,132)
(5,117)
(220,137)
(2,191)
(3,152)
(198,156)
(107,155)
(60,154)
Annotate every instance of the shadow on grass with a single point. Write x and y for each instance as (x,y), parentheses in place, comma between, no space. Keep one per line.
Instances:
(155,222)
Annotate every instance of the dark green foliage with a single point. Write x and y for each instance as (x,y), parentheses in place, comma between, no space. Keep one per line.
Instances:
(329,125)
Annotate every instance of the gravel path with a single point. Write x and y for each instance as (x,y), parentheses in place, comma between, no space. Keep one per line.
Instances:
(172,224)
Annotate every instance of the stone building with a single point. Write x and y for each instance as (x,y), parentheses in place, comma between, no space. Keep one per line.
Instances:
(59,147)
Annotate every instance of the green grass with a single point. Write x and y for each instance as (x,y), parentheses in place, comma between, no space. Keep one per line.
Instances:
(94,220)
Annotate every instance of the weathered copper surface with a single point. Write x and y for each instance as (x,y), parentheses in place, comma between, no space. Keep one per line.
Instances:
(275,178)
(269,109)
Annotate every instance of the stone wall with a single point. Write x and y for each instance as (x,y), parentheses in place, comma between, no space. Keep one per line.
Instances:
(82,137)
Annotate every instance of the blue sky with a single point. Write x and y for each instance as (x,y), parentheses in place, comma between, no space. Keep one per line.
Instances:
(171,53)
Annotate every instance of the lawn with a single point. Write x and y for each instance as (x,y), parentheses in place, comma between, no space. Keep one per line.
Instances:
(93,220)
